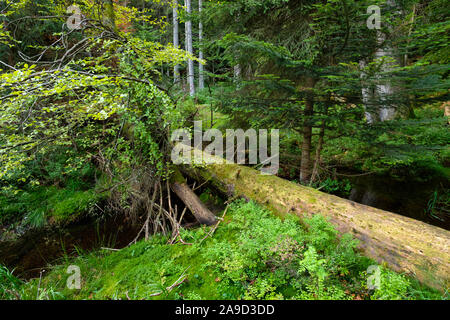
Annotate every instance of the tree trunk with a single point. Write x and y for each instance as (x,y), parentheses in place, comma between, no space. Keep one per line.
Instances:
(405,244)
(176,41)
(201,79)
(379,99)
(110,19)
(305,166)
(190,199)
(318,152)
(384,91)
(237,73)
(189,49)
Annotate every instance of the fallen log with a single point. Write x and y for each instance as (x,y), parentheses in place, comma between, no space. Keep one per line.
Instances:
(190,199)
(405,244)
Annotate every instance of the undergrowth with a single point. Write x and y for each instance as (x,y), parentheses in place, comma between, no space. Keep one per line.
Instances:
(50,194)
(251,255)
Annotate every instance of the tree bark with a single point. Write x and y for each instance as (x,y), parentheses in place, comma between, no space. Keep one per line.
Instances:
(379,99)
(189,49)
(319,148)
(110,18)
(201,78)
(176,41)
(190,199)
(237,73)
(305,166)
(405,244)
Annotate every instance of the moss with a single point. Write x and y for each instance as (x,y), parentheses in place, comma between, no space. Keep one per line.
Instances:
(177,176)
(312,200)
(39,205)
(69,207)
(269,190)
(237,262)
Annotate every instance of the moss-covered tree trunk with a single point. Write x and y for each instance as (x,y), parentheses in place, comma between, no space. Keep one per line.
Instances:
(405,244)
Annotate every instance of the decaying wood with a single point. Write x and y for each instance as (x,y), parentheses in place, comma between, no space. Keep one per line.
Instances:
(190,199)
(405,244)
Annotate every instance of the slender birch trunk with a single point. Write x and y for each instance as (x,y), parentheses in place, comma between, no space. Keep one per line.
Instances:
(176,41)
(189,49)
(201,79)
(237,72)
(379,99)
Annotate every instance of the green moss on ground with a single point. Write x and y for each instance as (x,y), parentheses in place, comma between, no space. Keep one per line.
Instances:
(252,255)
(36,206)
(51,193)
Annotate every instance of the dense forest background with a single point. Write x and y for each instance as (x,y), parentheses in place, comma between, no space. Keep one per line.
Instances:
(91,90)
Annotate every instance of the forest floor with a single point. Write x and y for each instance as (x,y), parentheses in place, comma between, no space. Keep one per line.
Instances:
(251,255)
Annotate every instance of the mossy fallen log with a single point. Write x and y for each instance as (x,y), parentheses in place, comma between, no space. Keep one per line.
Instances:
(405,244)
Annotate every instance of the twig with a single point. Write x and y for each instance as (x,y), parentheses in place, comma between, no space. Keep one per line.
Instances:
(177,283)
(201,185)
(39,285)
(145,225)
(211,232)
(110,249)
(5,64)
(176,234)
